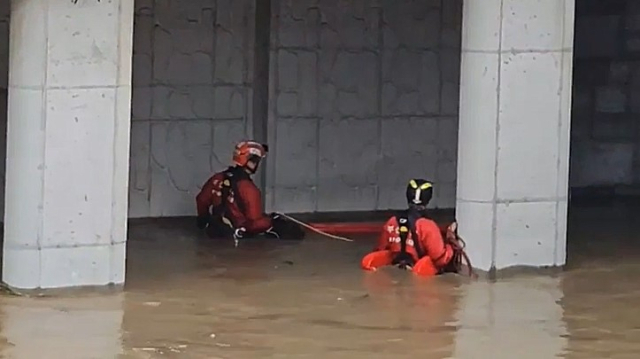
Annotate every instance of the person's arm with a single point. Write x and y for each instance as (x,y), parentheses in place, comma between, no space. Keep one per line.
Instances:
(255,219)
(203,199)
(383,239)
(433,243)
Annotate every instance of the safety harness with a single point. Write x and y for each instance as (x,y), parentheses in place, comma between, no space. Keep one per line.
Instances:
(407,224)
(232,176)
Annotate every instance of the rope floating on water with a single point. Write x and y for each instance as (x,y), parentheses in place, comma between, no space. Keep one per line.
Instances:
(313,229)
(460,245)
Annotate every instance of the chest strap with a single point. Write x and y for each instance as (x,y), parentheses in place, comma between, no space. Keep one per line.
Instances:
(229,187)
(407,224)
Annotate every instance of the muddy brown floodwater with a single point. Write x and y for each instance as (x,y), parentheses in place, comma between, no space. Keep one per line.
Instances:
(190,298)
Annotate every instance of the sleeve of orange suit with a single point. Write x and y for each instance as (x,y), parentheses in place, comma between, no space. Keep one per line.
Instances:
(256,220)
(432,242)
(383,240)
(203,199)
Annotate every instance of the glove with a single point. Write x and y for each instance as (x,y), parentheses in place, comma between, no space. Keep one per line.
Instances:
(272,233)
(403,261)
(239,233)
(451,236)
(203,221)
(284,229)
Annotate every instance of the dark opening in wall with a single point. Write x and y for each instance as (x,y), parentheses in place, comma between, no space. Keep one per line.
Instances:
(605,147)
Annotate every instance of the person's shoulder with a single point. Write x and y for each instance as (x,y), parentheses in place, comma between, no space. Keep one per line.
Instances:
(246,184)
(392,220)
(426,223)
(215,177)
(391,225)
(218,175)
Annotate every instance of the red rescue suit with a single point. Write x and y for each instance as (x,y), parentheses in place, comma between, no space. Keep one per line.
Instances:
(231,194)
(430,241)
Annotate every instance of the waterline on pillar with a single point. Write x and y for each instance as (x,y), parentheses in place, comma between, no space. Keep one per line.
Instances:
(494,274)
(507,319)
(72,291)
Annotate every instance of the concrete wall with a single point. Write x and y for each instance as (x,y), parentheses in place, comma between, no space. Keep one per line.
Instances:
(363,95)
(606,101)
(191,100)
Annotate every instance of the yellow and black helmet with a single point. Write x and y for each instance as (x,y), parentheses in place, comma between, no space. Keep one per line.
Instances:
(419,192)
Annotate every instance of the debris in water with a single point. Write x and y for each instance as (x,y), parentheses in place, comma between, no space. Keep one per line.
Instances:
(223,345)
(212,336)
(152,304)
(288,262)
(146,349)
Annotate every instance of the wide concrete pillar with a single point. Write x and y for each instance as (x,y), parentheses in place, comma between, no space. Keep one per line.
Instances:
(515,98)
(68,143)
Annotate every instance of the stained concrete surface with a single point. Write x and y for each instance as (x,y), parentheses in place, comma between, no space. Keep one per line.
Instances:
(188,51)
(337,70)
(187,297)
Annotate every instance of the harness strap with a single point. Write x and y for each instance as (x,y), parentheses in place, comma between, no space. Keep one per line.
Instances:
(230,187)
(407,224)
(462,255)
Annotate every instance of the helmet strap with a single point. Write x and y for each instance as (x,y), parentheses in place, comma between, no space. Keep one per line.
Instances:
(417,210)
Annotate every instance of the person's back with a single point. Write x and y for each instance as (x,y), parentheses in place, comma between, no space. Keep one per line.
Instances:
(230,203)
(410,238)
(429,240)
(232,196)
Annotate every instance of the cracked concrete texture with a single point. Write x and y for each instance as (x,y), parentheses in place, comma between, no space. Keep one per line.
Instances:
(349,76)
(357,87)
(366,96)
(344,90)
(191,98)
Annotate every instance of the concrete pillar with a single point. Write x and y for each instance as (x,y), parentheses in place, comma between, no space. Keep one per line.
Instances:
(515,100)
(68,143)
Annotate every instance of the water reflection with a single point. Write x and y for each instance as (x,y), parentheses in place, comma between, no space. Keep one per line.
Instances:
(518,318)
(68,328)
(601,311)
(185,299)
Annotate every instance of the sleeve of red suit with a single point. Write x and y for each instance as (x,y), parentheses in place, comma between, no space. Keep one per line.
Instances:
(433,243)
(203,199)
(255,219)
(383,240)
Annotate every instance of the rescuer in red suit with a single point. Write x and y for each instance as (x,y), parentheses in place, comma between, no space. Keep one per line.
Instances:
(411,239)
(231,204)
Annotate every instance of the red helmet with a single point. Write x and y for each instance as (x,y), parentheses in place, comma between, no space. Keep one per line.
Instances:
(248,154)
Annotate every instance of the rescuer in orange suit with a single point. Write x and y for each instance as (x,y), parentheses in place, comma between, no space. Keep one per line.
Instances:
(230,204)
(411,240)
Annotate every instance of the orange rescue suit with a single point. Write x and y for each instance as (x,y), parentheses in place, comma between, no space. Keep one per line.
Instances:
(429,237)
(243,205)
